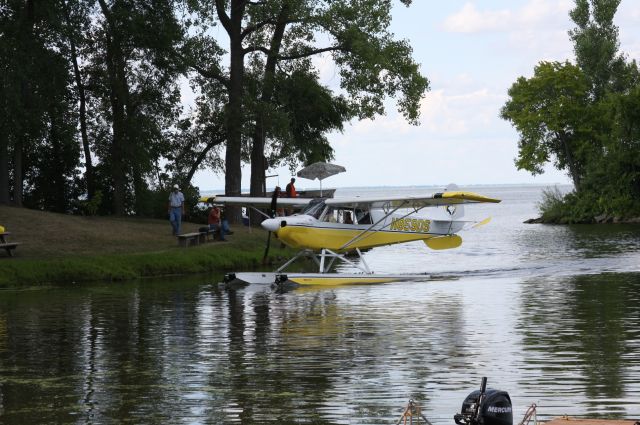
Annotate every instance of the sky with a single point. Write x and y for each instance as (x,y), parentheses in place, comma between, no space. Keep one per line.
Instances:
(472,52)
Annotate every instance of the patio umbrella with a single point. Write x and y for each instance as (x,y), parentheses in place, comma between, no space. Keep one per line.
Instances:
(320,171)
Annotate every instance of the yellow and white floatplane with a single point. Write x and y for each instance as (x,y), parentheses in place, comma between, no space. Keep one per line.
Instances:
(328,229)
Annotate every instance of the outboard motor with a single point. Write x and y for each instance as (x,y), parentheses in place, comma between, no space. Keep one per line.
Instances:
(486,407)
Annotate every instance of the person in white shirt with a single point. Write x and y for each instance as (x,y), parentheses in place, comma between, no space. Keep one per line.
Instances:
(176,209)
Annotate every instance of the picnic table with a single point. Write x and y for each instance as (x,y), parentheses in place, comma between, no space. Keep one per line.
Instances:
(8,246)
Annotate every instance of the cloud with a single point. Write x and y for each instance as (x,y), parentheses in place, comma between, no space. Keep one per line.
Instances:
(535,14)
(470,20)
(628,19)
(444,114)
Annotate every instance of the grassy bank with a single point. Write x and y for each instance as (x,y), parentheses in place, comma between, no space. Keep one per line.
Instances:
(585,208)
(58,248)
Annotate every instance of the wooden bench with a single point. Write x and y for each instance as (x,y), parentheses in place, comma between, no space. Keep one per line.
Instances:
(190,239)
(211,235)
(10,246)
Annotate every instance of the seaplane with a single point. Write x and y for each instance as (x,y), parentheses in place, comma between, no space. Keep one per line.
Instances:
(340,229)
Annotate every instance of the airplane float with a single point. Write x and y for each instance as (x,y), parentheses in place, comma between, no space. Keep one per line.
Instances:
(328,228)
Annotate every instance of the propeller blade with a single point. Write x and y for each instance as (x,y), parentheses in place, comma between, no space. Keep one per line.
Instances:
(266,250)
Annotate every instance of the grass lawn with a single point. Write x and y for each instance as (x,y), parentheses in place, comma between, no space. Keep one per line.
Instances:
(58,248)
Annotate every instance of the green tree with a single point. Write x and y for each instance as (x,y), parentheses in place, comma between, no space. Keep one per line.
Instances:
(551,113)
(134,83)
(581,117)
(75,30)
(51,162)
(309,111)
(38,155)
(196,143)
(280,37)
(595,43)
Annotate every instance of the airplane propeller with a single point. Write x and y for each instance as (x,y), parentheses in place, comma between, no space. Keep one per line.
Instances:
(266,250)
(274,209)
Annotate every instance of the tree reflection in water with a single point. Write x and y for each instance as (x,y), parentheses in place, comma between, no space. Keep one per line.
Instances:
(182,351)
(583,334)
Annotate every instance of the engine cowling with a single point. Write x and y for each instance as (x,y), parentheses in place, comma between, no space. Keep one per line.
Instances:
(496,409)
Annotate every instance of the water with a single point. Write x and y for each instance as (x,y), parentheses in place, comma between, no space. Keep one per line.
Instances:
(550,314)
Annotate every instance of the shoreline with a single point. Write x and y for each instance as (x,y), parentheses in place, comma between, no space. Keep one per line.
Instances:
(601,219)
(16,273)
(63,249)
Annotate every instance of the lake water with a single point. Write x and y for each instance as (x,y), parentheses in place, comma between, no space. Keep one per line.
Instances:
(550,314)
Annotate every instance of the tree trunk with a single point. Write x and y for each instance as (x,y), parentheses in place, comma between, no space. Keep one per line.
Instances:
(201,156)
(88,164)
(17,172)
(4,143)
(258,160)
(139,188)
(233,119)
(25,93)
(21,140)
(4,168)
(57,182)
(115,69)
(574,173)
(118,173)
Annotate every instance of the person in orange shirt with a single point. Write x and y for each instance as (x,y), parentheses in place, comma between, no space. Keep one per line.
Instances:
(291,192)
(291,189)
(215,222)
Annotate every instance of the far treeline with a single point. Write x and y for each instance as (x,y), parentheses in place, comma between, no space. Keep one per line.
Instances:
(585,117)
(91,115)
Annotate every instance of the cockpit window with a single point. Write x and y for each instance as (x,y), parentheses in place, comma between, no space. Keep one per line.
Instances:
(330,215)
(314,208)
(363,216)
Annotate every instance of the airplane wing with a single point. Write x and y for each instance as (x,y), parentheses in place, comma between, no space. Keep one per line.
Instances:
(254,201)
(394,203)
(436,199)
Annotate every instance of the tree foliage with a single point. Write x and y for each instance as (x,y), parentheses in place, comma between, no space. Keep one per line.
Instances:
(273,42)
(37,149)
(91,114)
(583,119)
(550,111)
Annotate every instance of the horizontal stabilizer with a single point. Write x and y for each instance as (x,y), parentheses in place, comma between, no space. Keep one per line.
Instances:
(476,224)
(444,242)
(481,223)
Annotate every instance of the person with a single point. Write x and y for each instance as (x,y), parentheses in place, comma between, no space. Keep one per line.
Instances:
(291,189)
(347,217)
(215,222)
(224,223)
(274,202)
(176,209)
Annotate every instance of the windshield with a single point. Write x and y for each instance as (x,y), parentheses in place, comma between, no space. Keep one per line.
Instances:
(314,208)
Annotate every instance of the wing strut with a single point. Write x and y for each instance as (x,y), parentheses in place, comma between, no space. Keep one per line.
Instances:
(364,234)
(361,234)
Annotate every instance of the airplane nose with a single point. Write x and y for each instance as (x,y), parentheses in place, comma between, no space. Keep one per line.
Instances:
(271,224)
